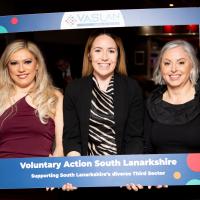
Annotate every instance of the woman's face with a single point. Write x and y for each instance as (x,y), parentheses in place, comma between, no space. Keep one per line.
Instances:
(22,68)
(176,67)
(103,56)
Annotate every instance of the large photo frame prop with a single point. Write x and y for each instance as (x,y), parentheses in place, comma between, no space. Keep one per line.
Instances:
(49,169)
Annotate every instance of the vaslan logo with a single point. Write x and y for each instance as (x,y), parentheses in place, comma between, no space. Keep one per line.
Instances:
(92,19)
(70,20)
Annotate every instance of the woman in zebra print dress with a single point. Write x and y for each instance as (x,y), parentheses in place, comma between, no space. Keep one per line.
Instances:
(103,111)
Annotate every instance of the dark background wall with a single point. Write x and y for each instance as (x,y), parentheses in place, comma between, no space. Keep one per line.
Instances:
(9,7)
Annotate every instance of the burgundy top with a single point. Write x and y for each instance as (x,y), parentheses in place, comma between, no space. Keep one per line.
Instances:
(22,134)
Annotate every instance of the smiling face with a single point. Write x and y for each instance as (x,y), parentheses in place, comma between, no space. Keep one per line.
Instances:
(103,56)
(22,68)
(176,66)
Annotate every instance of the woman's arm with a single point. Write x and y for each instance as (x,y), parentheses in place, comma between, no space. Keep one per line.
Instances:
(134,127)
(73,153)
(148,148)
(58,151)
(71,131)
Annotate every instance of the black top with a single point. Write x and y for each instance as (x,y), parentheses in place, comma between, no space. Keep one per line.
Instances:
(128,115)
(172,128)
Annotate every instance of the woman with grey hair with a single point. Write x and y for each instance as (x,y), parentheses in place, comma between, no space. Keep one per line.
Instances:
(172,119)
(172,122)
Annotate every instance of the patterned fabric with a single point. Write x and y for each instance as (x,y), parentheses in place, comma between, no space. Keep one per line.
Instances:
(101,124)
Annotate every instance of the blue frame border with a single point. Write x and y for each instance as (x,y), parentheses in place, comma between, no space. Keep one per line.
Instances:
(99,19)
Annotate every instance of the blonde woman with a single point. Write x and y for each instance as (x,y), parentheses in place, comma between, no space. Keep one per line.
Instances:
(31,116)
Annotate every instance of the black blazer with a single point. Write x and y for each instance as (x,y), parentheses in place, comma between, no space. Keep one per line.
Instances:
(128,109)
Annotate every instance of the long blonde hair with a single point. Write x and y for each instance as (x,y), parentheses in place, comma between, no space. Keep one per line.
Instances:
(43,92)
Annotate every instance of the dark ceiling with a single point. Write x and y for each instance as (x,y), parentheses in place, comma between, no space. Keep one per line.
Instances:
(13,7)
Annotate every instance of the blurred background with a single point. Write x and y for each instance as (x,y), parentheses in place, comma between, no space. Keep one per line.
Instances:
(9,7)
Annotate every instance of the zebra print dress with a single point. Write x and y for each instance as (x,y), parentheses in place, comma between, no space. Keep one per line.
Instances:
(101,139)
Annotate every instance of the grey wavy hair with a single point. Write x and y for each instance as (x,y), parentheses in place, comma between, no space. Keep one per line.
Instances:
(189,49)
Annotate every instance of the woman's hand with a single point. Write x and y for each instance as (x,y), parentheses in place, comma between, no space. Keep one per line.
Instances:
(158,186)
(68,187)
(134,187)
(58,152)
(52,188)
